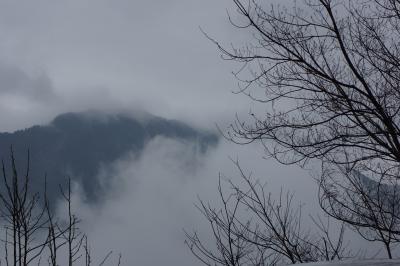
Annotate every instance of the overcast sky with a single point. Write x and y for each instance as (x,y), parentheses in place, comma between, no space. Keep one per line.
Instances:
(80,54)
(74,55)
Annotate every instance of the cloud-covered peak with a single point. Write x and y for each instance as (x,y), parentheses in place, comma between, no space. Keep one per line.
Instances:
(80,145)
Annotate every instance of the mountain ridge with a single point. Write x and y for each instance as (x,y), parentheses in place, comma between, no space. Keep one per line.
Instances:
(75,145)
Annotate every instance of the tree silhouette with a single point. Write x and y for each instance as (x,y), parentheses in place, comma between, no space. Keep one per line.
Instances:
(328,74)
(30,231)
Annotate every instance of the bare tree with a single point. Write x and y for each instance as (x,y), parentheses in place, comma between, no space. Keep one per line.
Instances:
(253,228)
(31,230)
(23,217)
(327,73)
(73,237)
(370,207)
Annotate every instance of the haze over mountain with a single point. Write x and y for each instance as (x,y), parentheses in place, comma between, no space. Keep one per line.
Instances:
(81,145)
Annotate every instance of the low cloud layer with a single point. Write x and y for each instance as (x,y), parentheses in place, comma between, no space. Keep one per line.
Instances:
(153,200)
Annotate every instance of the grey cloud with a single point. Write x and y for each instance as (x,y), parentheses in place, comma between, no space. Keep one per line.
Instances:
(153,199)
(14,81)
(128,53)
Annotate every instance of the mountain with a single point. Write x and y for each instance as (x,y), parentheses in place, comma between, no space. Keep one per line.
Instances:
(76,145)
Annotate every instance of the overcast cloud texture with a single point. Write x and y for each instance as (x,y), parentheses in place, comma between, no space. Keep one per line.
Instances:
(115,54)
(154,197)
(58,56)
